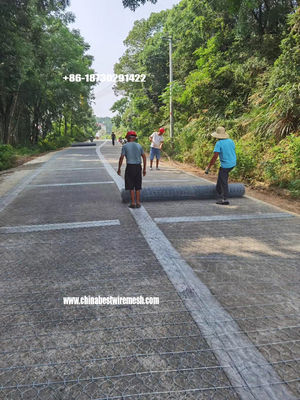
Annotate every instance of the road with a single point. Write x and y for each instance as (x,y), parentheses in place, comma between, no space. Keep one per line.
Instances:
(227,325)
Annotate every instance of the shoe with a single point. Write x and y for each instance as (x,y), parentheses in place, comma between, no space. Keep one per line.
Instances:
(131,206)
(138,206)
(150,168)
(223,202)
(157,169)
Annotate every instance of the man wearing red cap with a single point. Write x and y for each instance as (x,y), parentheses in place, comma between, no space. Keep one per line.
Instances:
(133,173)
(157,141)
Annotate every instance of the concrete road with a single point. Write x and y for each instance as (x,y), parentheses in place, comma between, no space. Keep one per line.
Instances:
(227,324)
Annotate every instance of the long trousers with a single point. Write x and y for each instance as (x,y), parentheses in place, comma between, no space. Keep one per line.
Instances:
(222,183)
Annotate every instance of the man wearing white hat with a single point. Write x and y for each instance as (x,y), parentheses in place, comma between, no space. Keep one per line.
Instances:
(225,149)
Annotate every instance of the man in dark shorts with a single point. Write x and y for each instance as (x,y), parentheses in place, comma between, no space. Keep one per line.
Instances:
(133,173)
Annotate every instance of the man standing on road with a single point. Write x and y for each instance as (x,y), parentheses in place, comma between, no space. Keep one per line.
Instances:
(113,138)
(225,148)
(157,141)
(133,173)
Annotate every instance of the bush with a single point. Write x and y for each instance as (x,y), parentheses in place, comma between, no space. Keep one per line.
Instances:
(248,153)
(26,151)
(282,163)
(81,135)
(53,143)
(294,188)
(7,156)
(46,145)
(202,153)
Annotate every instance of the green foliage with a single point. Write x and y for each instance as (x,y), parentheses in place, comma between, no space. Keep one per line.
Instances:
(134,4)
(256,17)
(7,156)
(294,188)
(281,165)
(146,53)
(248,153)
(275,108)
(52,143)
(26,151)
(236,63)
(202,153)
(192,144)
(37,50)
(80,134)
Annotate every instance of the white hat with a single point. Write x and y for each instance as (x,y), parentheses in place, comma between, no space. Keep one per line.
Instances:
(220,133)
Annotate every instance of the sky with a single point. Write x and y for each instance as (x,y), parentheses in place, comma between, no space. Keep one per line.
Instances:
(105,24)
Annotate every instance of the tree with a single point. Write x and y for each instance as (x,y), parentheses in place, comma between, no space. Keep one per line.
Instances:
(277,106)
(265,16)
(37,50)
(236,63)
(134,4)
(147,53)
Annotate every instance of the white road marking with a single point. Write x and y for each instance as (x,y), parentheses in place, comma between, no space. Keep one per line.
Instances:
(74,169)
(252,376)
(71,184)
(234,217)
(12,194)
(52,227)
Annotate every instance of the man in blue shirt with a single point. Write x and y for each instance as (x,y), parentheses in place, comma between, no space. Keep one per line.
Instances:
(133,173)
(225,149)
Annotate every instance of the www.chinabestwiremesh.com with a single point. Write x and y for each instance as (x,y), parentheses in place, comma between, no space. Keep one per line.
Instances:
(110,300)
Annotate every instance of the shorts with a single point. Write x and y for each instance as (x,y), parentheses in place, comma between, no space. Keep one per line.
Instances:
(154,152)
(133,177)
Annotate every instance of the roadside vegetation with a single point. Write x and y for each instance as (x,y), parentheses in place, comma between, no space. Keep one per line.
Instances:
(237,64)
(39,109)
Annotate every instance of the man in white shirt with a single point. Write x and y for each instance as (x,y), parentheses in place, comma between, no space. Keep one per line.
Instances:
(157,141)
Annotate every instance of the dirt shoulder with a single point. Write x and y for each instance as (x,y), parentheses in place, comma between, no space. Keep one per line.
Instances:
(20,160)
(9,178)
(275,196)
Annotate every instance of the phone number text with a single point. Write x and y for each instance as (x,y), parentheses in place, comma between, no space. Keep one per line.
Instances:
(105,78)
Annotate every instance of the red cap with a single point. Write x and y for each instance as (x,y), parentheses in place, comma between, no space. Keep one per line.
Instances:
(130,133)
(161,130)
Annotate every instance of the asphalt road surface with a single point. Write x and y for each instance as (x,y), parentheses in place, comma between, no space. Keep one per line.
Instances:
(227,325)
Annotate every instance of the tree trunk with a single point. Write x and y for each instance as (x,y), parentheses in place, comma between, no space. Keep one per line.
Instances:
(11,119)
(258,18)
(66,125)
(59,125)
(35,124)
(7,114)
